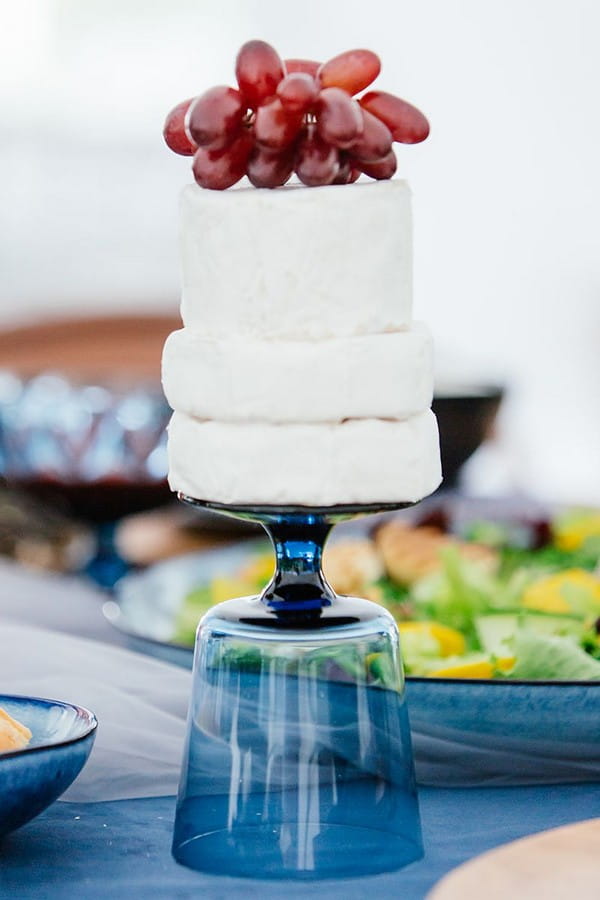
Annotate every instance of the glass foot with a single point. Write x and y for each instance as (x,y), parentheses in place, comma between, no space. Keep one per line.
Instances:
(314,850)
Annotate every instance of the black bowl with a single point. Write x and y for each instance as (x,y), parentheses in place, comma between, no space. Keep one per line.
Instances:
(465,418)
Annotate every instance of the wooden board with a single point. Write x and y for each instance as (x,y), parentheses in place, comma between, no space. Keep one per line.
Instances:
(560,864)
(112,346)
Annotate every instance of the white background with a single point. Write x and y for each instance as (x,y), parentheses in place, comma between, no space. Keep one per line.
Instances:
(506,190)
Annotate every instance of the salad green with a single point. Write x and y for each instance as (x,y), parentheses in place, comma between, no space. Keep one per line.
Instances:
(535,615)
(551,658)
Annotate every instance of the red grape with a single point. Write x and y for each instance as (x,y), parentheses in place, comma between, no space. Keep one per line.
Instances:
(353,70)
(215,118)
(317,163)
(297,91)
(258,69)
(407,123)
(382,169)
(339,117)
(220,169)
(348,171)
(275,127)
(269,168)
(174,131)
(302,65)
(375,141)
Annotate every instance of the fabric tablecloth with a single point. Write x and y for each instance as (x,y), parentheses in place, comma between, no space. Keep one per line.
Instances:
(122,849)
(140,703)
(64,603)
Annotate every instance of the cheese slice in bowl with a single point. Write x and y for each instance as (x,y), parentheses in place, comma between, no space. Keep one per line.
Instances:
(13,735)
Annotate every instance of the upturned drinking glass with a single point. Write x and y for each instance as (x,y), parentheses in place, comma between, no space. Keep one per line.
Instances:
(298,760)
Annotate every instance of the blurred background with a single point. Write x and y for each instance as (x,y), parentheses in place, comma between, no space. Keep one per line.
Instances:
(506,195)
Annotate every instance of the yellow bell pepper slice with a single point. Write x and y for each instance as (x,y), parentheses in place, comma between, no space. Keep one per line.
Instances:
(571,532)
(222,588)
(477,669)
(548,594)
(259,570)
(451,642)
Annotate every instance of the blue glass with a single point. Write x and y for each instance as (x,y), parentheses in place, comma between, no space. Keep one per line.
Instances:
(298,761)
(53,428)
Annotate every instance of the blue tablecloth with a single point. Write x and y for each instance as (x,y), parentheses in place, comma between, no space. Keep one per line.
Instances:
(122,849)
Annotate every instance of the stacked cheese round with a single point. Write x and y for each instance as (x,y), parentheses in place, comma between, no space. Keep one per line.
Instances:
(299,377)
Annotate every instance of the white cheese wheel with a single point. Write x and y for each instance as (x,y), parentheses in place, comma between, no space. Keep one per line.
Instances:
(297,263)
(357,461)
(387,376)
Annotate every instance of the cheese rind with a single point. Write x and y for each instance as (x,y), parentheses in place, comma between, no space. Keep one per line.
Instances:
(356,462)
(372,376)
(297,263)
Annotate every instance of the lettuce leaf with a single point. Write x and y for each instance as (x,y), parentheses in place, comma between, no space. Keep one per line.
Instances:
(462,590)
(546,658)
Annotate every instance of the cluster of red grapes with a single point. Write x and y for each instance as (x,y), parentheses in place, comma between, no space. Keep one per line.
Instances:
(294,116)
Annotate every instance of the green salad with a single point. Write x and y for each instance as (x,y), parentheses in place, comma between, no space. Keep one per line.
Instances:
(532,614)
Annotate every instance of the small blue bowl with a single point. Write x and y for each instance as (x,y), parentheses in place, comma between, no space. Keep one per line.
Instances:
(32,778)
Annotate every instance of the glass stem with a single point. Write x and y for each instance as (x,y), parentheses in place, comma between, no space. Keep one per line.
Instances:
(298,588)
